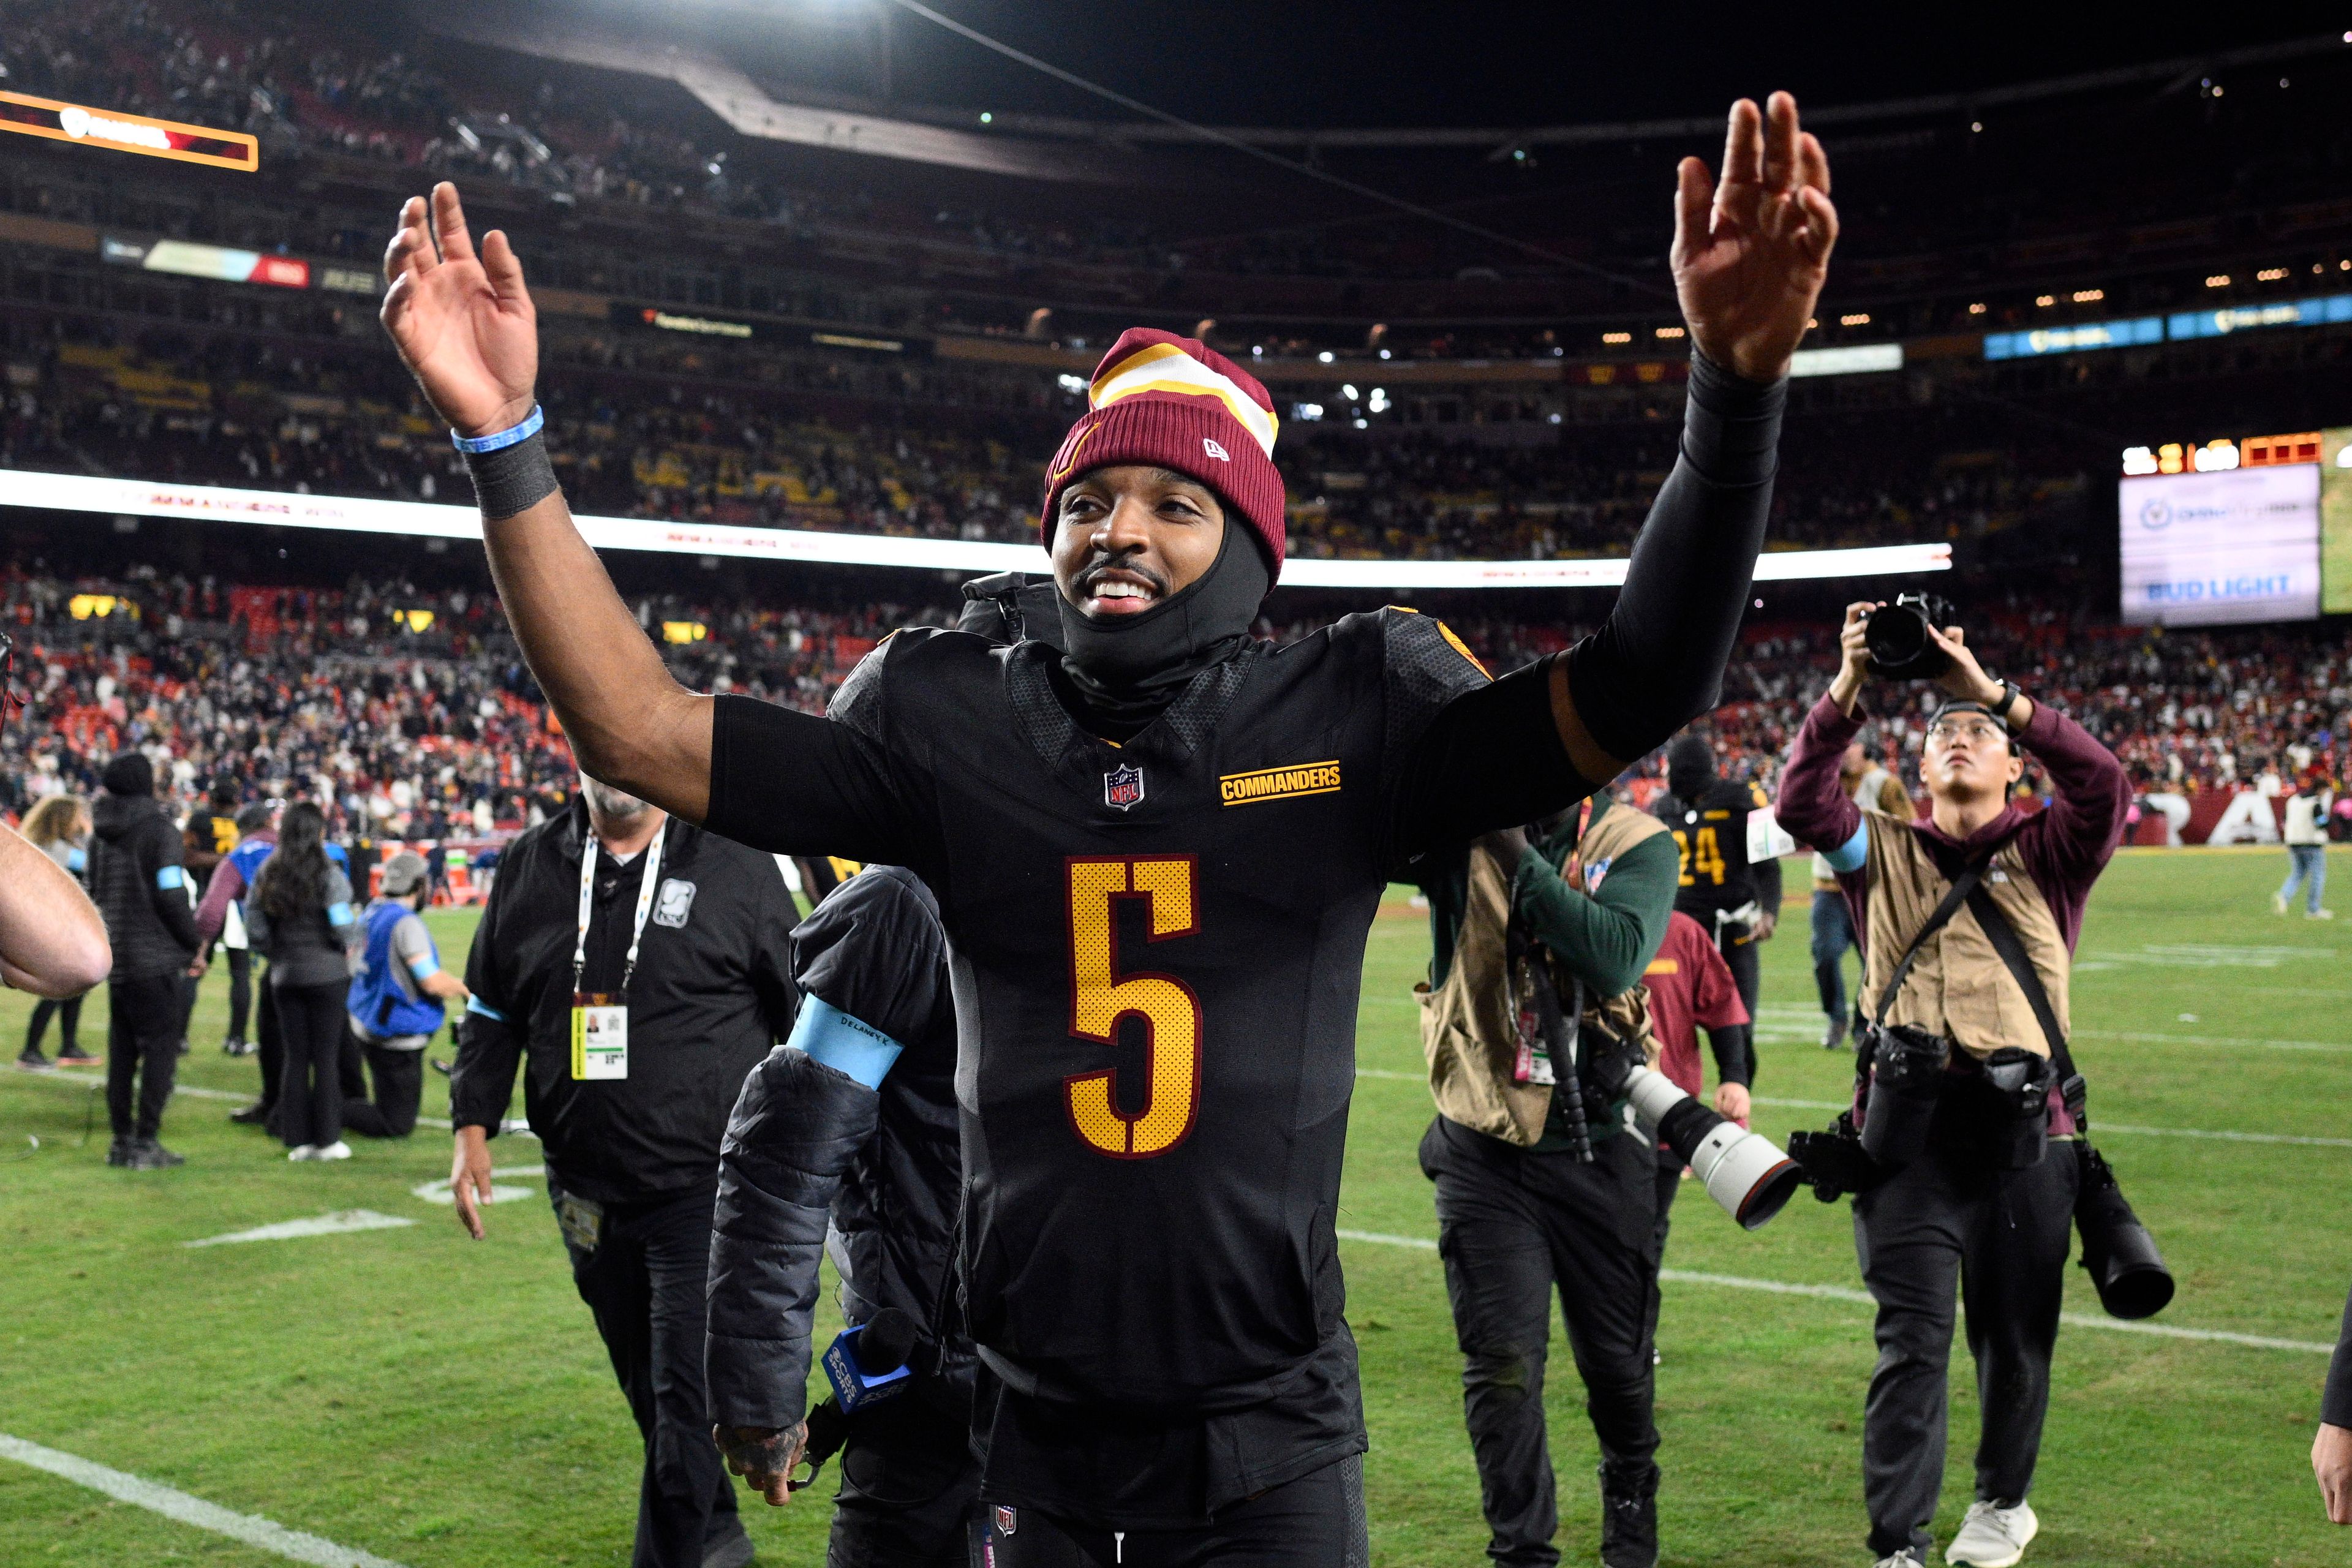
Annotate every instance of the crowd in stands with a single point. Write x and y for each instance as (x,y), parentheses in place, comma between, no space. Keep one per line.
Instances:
(657,430)
(411,712)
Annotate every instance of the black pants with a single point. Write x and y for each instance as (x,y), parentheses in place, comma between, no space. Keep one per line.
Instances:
(1314,1521)
(142,1044)
(240,991)
(910,1488)
(644,1280)
(68,1013)
(1510,1226)
(311,1096)
(269,1044)
(1747,962)
(1669,1178)
(391,1111)
(2001,1237)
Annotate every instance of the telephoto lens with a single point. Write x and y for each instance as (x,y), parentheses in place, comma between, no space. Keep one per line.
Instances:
(1745,1172)
(1896,636)
(1907,1080)
(2118,1253)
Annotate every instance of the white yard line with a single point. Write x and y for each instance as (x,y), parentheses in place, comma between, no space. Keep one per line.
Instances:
(439,1193)
(1862,1297)
(334,1224)
(512,1124)
(266,1535)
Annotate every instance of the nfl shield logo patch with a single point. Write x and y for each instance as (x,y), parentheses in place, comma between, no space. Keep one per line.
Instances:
(1007,1520)
(1123,788)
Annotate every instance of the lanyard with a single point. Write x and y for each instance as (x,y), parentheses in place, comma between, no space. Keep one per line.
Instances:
(647,883)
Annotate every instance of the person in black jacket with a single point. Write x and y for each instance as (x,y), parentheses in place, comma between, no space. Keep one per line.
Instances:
(140,886)
(2331,1450)
(1736,901)
(855,1114)
(687,941)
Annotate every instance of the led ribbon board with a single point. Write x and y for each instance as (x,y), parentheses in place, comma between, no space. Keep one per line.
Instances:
(426,520)
(120,131)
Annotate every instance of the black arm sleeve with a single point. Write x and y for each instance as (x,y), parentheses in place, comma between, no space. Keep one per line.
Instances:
(491,1030)
(1491,758)
(1769,891)
(797,1127)
(1734,1054)
(1657,662)
(2336,1404)
(792,783)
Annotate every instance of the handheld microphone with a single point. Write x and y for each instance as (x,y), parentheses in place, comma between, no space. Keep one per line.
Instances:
(866,1365)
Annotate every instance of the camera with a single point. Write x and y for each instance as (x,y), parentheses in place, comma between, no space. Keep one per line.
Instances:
(2117,1251)
(1896,636)
(1745,1172)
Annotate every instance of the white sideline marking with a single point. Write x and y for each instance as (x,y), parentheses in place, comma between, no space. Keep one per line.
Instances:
(1387,1073)
(1863,1297)
(439,1193)
(318,1225)
(267,1535)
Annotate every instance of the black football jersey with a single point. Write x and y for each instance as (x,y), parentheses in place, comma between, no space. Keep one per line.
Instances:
(1712,832)
(1156,951)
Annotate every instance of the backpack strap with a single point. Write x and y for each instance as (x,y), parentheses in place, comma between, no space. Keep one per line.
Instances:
(1954,897)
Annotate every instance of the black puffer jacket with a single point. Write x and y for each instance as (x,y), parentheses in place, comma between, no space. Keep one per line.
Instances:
(806,1142)
(139,885)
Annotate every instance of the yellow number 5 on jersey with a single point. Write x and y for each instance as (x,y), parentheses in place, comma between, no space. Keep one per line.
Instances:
(1101,997)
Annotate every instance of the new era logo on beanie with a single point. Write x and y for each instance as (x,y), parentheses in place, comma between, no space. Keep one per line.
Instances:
(1175,402)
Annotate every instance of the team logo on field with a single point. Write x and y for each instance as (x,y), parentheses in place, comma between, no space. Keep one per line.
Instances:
(1279,783)
(1123,788)
(1008,1520)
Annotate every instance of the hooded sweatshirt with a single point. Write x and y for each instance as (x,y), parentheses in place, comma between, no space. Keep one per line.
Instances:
(140,886)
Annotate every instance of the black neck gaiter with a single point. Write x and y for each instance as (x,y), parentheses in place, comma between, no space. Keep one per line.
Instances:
(1124,670)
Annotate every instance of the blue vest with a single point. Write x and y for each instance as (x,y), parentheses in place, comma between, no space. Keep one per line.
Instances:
(376,999)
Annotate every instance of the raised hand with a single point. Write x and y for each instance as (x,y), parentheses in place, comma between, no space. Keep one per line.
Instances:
(464,325)
(1751,253)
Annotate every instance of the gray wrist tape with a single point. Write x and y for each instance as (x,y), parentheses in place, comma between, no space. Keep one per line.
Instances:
(512,478)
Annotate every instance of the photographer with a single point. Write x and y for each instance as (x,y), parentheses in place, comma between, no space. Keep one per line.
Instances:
(1537,1187)
(1988,1195)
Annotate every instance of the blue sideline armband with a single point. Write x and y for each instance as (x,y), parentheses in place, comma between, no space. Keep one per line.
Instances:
(848,1046)
(423,967)
(338,914)
(476,1005)
(169,878)
(1850,855)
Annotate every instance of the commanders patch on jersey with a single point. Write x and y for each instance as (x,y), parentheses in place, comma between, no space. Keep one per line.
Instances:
(1123,788)
(1279,783)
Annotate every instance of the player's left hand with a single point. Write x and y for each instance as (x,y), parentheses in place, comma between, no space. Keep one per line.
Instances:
(1751,252)
(1765,925)
(1732,1102)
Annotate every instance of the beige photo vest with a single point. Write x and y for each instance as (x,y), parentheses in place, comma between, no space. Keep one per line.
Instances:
(1469,1030)
(1959,988)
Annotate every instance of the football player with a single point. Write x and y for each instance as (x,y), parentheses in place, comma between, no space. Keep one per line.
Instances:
(1157,855)
(1736,901)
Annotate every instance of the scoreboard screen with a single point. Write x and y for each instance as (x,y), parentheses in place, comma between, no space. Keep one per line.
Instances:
(2258,529)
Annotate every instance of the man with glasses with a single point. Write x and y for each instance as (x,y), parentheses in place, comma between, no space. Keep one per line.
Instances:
(1985,1203)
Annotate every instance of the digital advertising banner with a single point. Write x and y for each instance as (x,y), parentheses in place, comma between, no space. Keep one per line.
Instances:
(2237,545)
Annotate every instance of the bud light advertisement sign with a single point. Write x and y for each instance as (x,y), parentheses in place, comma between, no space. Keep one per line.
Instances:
(2211,549)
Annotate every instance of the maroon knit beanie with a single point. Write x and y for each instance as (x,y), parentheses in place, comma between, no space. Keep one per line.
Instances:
(1175,402)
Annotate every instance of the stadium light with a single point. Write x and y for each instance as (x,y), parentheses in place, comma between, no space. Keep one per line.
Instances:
(132,498)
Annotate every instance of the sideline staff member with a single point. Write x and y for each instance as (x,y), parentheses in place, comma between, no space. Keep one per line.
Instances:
(138,882)
(1955,1213)
(397,990)
(678,940)
(1576,916)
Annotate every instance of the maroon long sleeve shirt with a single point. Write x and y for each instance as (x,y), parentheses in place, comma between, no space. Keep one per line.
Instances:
(2065,847)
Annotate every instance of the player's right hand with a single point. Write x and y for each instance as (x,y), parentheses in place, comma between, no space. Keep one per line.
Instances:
(464,325)
(765,1456)
(469,1178)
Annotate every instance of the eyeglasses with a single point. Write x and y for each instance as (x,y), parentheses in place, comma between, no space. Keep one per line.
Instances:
(1946,731)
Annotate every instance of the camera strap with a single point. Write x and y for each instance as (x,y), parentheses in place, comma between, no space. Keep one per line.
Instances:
(2006,942)
(1954,897)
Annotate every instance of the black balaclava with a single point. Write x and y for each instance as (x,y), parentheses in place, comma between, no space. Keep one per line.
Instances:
(1125,670)
(1690,767)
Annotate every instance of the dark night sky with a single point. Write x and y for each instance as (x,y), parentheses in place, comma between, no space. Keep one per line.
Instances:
(1359,62)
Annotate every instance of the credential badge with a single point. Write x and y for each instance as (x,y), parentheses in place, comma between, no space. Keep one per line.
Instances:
(1123,788)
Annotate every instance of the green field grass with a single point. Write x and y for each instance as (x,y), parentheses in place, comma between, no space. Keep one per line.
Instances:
(439,1403)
